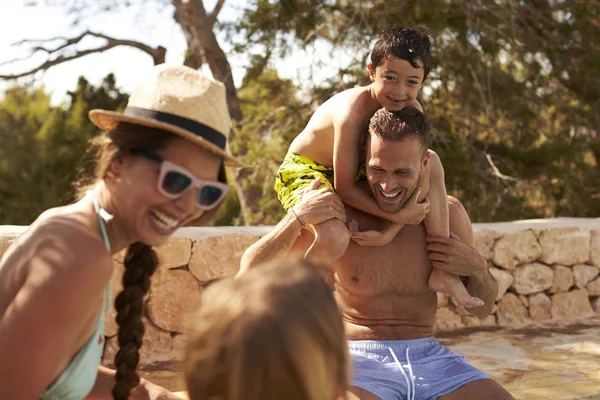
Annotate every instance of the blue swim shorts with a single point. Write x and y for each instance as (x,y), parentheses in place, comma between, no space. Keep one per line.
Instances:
(418,369)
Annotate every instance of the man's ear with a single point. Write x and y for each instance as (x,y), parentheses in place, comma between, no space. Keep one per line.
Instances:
(426,158)
(371,69)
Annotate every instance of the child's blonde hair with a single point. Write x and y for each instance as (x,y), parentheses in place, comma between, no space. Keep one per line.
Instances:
(274,333)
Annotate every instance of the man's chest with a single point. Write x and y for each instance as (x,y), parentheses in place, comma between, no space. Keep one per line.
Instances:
(401,267)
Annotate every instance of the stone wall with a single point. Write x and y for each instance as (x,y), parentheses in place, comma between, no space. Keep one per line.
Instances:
(547,270)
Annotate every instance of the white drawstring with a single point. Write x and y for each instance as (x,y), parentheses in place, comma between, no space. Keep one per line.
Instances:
(412,377)
(410,384)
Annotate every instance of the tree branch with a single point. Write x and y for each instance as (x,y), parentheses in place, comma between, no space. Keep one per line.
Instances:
(194,57)
(157,54)
(212,17)
(497,172)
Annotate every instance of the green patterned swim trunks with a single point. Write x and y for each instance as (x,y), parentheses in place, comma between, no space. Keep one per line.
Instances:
(297,172)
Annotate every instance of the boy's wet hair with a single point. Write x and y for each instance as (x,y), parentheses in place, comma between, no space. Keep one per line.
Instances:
(410,44)
(401,125)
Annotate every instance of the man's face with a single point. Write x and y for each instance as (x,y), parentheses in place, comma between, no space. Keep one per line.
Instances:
(393,170)
(396,83)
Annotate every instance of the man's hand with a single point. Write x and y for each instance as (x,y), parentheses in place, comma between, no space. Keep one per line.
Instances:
(413,212)
(456,257)
(319,205)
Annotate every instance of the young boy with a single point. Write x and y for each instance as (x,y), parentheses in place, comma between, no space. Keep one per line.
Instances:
(331,141)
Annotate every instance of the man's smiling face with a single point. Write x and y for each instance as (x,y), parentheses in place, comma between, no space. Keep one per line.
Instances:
(393,169)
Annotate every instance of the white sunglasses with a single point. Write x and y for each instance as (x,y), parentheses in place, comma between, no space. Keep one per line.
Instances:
(174,181)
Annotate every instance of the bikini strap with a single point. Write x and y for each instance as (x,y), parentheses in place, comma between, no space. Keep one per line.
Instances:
(103,217)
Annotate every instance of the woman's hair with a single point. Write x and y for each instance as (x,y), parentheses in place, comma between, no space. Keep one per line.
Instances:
(140,260)
(274,333)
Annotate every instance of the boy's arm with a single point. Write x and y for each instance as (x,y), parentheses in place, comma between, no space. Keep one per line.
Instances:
(346,147)
(375,238)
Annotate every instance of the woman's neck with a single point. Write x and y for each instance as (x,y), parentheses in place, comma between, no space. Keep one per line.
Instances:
(116,227)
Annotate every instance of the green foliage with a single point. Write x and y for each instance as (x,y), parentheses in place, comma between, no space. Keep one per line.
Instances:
(44,147)
(229,212)
(273,117)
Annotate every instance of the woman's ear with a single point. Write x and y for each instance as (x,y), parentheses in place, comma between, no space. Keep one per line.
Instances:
(115,169)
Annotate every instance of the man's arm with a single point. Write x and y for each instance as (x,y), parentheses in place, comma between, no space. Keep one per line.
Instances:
(315,207)
(275,244)
(456,255)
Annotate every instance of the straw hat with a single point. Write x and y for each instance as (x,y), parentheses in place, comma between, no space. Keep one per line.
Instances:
(180,100)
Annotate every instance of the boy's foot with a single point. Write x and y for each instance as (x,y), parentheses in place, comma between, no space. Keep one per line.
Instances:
(470,302)
(441,281)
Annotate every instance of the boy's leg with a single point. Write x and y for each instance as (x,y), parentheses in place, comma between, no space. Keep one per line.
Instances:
(437,222)
(325,242)
(444,282)
(331,241)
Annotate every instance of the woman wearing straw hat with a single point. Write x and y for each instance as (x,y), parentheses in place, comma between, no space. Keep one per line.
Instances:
(160,165)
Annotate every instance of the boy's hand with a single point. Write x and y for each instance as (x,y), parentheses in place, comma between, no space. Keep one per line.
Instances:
(415,103)
(367,238)
(413,212)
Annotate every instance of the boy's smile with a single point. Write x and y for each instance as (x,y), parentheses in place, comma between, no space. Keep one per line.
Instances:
(396,83)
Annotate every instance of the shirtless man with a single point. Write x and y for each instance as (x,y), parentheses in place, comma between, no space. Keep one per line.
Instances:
(389,310)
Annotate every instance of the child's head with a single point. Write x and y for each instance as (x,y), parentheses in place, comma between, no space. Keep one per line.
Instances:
(400,63)
(274,333)
(410,44)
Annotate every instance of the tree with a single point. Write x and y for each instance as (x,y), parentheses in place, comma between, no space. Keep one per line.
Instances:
(44,147)
(514,93)
(203,47)
(274,116)
(23,116)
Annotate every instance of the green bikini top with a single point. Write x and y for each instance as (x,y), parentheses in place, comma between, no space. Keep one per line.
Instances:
(78,379)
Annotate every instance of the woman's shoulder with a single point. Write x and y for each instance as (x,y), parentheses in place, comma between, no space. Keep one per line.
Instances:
(67,237)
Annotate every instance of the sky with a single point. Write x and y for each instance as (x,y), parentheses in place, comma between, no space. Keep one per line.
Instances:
(152,24)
